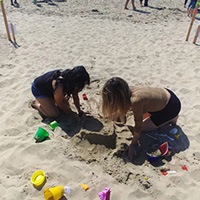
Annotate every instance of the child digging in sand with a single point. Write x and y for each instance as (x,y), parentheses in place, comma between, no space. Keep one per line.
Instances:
(53,89)
(118,98)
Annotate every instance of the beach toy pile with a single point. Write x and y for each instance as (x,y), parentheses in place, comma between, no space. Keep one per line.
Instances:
(42,135)
(38,179)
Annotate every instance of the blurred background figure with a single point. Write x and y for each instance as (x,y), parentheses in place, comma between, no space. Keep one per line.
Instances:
(191,7)
(185,3)
(126,4)
(145,3)
(15,3)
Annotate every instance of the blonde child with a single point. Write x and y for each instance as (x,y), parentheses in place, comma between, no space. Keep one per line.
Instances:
(118,98)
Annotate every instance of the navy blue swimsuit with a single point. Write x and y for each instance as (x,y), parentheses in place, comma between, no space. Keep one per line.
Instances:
(42,85)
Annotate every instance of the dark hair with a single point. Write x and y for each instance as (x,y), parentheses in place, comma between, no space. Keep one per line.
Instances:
(74,79)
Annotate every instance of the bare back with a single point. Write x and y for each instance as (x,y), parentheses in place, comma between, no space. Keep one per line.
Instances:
(147,99)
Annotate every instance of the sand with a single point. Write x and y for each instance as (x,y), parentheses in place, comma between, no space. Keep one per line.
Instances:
(145,47)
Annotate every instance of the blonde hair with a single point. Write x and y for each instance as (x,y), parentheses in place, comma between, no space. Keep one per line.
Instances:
(115,98)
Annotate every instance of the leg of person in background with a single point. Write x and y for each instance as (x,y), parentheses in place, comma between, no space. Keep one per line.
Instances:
(146,3)
(133,4)
(126,5)
(141,3)
(185,3)
(191,7)
(16,3)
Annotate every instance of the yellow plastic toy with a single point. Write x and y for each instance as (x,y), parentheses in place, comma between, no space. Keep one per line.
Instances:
(84,186)
(38,178)
(54,193)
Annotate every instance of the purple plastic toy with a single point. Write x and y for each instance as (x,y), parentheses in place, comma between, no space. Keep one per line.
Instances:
(105,194)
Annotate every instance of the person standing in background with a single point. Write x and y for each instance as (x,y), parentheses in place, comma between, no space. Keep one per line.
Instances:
(126,4)
(145,3)
(191,7)
(185,2)
(15,3)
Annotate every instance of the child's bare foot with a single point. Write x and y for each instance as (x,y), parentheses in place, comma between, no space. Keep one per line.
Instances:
(35,104)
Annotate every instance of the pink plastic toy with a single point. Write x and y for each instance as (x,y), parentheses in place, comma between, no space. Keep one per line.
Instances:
(105,194)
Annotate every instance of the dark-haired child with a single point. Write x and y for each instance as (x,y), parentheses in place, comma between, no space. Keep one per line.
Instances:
(53,89)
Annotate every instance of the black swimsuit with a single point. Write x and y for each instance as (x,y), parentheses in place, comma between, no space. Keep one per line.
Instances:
(170,111)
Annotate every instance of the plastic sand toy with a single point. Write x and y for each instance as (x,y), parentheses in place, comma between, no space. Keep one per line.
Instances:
(84,186)
(53,125)
(105,194)
(84,97)
(41,135)
(56,193)
(38,178)
(163,150)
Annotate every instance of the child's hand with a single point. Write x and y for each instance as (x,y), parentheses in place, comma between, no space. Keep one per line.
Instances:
(131,128)
(132,152)
(81,113)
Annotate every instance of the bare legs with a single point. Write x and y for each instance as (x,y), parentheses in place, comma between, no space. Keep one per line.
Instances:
(126,4)
(14,2)
(46,106)
(190,12)
(141,3)
(133,4)
(148,125)
(185,2)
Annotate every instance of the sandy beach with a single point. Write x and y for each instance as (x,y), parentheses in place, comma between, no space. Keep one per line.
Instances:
(145,47)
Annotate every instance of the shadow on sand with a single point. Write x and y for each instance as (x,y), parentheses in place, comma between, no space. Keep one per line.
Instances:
(156,138)
(142,11)
(49,2)
(71,124)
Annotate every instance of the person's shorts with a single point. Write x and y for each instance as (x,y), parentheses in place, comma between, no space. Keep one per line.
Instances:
(170,111)
(192,4)
(36,92)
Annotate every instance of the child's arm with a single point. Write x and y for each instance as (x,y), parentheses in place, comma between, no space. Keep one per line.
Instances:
(137,109)
(137,129)
(136,135)
(60,100)
(77,102)
(132,147)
